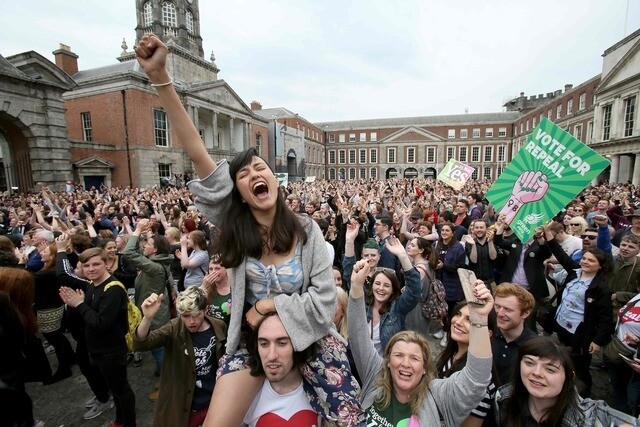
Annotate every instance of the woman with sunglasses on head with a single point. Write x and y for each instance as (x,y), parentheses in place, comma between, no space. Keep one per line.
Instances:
(277,261)
(582,319)
(543,392)
(398,388)
(389,303)
(454,357)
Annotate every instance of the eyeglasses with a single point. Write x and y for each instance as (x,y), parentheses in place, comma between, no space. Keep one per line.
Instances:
(588,236)
(385,269)
(575,225)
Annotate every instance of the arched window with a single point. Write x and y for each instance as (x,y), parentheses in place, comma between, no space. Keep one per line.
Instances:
(169,16)
(189,22)
(147,14)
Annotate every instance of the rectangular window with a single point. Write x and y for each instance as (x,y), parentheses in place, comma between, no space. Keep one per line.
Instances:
(475,154)
(558,111)
(431,154)
(521,127)
(629,112)
(487,173)
(87,133)
(463,133)
(527,125)
(488,153)
(352,137)
(258,142)
(352,157)
(541,116)
(501,153)
(332,173)
(373,173)
(332,157)
(342,157)
(582,102)
(161,129)
(374,136)
(363,173)
(534,122)
(451,153)
(391,155)
(373,155)
(341,137)
(577,132)
(164,170)
(474,175)
(488,132)
(352,173)
(452,133)
(363,156)
(570,106)
(502,132)
(476,133)
(606,122)
(589,131)
(332,138)
(549,113)
(363,137)
(462,154)
(411,155)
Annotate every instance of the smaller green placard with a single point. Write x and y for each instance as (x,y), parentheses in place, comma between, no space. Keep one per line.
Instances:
(550,169)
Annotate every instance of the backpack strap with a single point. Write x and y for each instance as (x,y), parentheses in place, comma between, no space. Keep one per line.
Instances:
(115,283)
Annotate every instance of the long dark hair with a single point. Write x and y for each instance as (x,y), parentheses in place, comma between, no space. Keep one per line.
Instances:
(427,251)
(453,240)
(603,259)
(241,235)
(396,290)
(452,346)
(545,348)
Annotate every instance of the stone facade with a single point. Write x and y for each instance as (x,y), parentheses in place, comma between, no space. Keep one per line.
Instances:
(32,123)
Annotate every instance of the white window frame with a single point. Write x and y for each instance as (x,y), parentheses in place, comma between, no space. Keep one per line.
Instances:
(607,112)
(464,133)
(87,129)
(374,136)
(451,153)
(332,157)
(549,113)
(362,156)
(431,152)
(189,21)
(342,137)
(160,128)
(502,132)
(488,175)
(363,137)
(332,138)
(570,106)
(474,175)
(502,153)
(558,111)
(475,154)
(352,173)
(167,169)
(363,173)
(391,158)
(352,157)
(373,173)
(451,134)
(476,133)
(577,132)
(169,15)
(629,116)
(342,157)
(332,173)
(463,153)
(373,155)
(488,149)
(488,132)
(411,153)
(352,137)
(582,101)
(147,14)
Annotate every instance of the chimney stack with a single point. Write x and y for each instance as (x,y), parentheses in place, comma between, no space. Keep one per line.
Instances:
(568,87)
(66,60)
(255,105)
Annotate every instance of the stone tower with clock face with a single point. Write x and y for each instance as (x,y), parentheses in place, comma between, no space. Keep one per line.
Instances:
(171,20)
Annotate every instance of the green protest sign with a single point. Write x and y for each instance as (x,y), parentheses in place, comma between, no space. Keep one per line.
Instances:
(548,171)
(455,174)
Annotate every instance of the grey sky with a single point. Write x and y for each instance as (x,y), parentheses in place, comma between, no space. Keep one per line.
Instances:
(338,60)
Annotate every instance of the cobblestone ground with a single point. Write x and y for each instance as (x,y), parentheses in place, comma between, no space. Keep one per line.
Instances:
(62,404)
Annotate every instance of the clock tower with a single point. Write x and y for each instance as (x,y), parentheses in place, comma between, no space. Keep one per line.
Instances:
(176,21)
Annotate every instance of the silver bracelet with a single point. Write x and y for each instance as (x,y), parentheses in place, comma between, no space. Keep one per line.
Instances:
(170,82)
(479,325)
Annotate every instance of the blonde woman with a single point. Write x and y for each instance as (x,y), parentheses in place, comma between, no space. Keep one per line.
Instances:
(578,226)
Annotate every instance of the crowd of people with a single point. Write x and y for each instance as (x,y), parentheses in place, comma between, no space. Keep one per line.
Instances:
(314,303)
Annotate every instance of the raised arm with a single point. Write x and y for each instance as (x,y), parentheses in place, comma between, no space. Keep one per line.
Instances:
(152,56)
